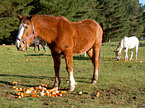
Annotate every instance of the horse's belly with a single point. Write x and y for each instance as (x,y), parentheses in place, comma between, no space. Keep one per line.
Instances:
(84,38)
(82,47)
(130,45)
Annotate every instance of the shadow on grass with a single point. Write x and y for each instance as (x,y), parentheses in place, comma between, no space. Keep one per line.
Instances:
(6,82)
(109,59)
(74,57)
(84,79)
(80,58)
(38,54)
(22,84)
(24,76)
(78,79)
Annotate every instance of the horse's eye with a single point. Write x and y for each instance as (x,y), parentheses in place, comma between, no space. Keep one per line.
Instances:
(26,27)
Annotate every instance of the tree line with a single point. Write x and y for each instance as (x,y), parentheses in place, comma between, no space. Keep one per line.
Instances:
(118,18)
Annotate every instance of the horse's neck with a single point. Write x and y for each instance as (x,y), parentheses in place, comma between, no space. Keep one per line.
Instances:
(45,28)
(120,49)
(121,46)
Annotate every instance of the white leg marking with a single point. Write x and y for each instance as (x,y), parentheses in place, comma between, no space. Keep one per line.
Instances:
(72,81)
(95,77)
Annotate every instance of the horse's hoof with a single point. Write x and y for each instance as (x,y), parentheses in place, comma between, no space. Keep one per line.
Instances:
(56,88)
(71,89)
(94,82)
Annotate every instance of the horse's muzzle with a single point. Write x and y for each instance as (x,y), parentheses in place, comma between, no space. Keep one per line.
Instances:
(118,58)
(17,44)
(19,48)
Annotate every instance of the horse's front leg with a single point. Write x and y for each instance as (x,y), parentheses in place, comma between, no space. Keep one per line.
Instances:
(126,55)
(44,47)
(34,48)
(69,68)
(27,47)
(57,62)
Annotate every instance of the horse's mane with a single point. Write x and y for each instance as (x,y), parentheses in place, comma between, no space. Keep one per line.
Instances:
(119,45)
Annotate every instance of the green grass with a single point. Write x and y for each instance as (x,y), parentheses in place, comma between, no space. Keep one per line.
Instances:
(121,84)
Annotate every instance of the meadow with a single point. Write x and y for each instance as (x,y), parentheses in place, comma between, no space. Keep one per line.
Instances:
(120,84)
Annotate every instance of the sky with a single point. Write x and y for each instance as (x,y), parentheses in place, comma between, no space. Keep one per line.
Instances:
(142,1)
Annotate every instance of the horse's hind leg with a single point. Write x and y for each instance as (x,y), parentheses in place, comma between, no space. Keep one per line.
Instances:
(84,54)
(57,62)
(94,56)
(90,54)
(38,47)
(136,52)
(131,54)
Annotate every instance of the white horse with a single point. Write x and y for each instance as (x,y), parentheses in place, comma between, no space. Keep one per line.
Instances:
(127,43)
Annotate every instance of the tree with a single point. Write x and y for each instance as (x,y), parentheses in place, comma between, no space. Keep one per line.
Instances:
(115,24)
(143,19)
(118,18)
(135,15)
(8,20)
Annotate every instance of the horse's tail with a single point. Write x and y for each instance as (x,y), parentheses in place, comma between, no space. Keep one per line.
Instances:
(99,37)
(99,65)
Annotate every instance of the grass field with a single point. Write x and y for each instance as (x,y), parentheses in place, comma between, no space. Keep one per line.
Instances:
(120,84)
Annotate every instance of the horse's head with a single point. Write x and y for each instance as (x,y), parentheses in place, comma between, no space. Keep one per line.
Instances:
(118,54)
(25,33)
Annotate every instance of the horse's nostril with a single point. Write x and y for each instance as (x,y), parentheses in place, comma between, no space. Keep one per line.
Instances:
(18,48)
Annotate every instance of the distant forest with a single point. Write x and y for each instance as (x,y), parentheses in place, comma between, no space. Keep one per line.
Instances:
(118,18)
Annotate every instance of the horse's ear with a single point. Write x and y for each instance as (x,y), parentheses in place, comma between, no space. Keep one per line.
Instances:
(115,51)
(19,17)
(31,17)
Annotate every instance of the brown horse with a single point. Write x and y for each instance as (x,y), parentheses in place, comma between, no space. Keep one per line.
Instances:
(64,38)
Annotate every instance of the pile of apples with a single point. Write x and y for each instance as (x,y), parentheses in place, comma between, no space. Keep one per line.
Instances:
(36,91)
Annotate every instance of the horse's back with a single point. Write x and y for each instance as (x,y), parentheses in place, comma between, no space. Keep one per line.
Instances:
(131,42)
(87,33)
(76,36)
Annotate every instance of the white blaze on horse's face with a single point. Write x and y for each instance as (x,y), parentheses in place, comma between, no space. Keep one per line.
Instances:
(20,34)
